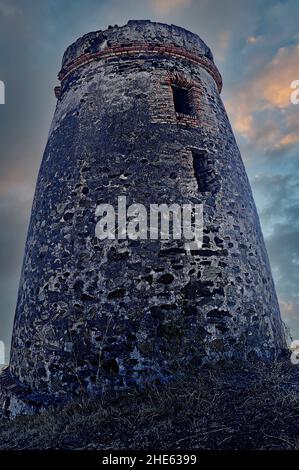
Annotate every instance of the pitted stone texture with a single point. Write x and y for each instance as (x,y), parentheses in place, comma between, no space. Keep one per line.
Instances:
(97,314)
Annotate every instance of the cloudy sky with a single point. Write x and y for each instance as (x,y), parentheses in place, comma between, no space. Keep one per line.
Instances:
(256,47)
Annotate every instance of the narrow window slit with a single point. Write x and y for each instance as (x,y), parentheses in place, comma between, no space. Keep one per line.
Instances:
(204,173)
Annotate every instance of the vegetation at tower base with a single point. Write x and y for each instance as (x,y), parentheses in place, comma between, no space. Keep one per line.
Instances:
(138,114)
(223,407)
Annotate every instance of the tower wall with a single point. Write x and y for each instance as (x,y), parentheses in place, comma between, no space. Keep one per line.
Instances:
(93,314)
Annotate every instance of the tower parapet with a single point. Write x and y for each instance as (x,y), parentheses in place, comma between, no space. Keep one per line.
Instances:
(139,37)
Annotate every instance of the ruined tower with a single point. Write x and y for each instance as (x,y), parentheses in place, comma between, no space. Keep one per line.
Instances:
(138,114)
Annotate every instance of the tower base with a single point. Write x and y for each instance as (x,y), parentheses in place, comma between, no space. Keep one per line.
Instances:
(18,399)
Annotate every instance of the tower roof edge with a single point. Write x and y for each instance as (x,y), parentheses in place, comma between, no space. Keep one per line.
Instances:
(138,33)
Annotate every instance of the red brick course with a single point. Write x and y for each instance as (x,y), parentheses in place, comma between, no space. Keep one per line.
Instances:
(137,47)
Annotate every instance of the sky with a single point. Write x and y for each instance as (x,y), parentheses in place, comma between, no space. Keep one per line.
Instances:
(256,48)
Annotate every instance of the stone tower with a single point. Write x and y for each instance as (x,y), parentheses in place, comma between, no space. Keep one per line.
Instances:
(138,114)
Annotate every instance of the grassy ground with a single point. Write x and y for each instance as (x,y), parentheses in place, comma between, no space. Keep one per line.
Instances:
(225,407)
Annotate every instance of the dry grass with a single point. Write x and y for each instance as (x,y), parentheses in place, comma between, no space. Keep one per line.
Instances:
(225,407)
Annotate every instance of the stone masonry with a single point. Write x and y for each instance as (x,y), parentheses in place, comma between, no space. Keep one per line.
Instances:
(94,315)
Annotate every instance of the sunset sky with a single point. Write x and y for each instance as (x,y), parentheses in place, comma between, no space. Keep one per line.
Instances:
(256,47)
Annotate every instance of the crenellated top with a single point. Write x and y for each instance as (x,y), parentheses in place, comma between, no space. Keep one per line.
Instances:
(139,36)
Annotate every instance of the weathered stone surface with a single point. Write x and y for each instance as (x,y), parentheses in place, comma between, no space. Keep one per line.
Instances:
(96,314)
